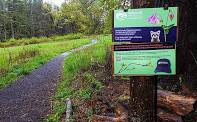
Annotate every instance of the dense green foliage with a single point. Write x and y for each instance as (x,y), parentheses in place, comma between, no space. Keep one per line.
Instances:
(24,18)
(90,17)
(33,18)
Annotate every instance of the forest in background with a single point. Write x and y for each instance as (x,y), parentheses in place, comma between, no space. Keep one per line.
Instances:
(35,18)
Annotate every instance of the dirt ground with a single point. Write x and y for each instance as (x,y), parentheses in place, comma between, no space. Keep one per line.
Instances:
(111,101)
(115,93)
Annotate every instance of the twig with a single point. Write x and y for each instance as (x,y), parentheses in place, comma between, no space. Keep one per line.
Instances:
(98,64)
(193,56)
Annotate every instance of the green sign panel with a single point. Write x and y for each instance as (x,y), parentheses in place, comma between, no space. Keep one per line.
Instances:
(145,25)
(144,59)
(153,33)
(141,17)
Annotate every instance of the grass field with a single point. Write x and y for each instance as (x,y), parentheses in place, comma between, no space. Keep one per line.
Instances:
(76,62)
(20,60)
(35,40)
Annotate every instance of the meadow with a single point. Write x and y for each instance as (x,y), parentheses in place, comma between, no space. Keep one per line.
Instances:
(16,61)
(35,40)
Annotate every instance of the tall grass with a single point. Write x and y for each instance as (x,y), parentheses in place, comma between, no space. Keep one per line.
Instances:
(35,40)
(11,57)
(20,60)
(72,66)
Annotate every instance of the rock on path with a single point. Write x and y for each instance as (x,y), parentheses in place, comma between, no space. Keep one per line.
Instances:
(29,98)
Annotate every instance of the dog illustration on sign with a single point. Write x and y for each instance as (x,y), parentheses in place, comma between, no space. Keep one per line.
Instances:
(155,36)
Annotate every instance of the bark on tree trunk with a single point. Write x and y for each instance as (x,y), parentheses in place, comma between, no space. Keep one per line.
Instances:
(142,103)
(5,31)
(12,29)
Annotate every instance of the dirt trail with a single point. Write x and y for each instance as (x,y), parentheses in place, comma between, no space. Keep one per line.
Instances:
(29,98)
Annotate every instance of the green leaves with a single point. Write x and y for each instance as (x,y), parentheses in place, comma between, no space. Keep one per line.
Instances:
(167,28)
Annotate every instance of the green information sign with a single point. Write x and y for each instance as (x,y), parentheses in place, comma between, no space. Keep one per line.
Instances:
(145,25)
(153,35)
(144,59)
(141,17)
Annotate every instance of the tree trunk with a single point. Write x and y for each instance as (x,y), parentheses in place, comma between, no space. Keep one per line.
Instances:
(31,29)
(12,29)
(5,31)
(181,105)
(4,20)
(13,24)
(142,101)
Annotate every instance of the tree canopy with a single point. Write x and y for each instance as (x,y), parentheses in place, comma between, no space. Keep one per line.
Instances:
(28,18)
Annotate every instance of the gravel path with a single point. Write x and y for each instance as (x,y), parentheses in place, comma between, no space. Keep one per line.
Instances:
(29,98)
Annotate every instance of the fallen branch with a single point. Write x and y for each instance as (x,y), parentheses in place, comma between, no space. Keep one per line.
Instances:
(121,113)
(96,62)
(121,116)
(167,117)
(97,118)
(181,105)
(68,109)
